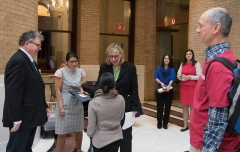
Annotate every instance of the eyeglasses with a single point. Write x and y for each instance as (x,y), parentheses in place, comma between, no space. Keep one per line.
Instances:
(113,56)
(38,45)
(73,62)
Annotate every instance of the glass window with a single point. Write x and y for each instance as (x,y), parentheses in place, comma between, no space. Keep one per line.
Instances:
(43,11)
(172,38)
(166,8)
(115,16)
(55,23)
(53,52)
(52,17)
(115,26)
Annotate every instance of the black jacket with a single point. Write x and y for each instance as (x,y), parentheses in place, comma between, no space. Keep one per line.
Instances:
(24,93)
(126,84)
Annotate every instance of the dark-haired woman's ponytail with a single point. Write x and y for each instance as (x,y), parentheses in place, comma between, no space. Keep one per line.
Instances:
(105,89)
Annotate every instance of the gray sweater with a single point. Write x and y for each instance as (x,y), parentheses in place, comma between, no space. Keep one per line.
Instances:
(104,116)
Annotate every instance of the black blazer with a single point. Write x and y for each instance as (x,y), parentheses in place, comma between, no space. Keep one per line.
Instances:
(126,84)
(24,93)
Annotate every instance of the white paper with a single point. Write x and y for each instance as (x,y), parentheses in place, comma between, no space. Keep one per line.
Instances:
(82,95)
(129,120)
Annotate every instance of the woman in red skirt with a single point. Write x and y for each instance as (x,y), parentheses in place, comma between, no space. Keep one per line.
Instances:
(188,74)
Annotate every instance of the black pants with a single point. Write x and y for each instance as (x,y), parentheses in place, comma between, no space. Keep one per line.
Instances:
(21,140)
(164,99)
(126,145)
(112,147)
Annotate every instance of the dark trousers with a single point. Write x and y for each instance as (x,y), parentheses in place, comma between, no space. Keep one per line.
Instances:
(164,99)
(113,147)
(126,145)
(21,140)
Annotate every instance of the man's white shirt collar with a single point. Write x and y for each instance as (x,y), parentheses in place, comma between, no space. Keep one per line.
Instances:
(30,57)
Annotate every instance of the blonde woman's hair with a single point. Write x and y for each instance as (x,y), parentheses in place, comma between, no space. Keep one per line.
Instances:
(114,47)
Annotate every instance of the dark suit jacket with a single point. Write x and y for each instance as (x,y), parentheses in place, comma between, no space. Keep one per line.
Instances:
(126,84)
(24,93)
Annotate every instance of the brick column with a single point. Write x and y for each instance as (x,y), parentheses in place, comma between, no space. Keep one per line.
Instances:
(16,17)
(145,43)
(88,25)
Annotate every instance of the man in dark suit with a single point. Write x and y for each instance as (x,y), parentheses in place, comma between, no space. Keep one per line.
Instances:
(24,107)
(126,83)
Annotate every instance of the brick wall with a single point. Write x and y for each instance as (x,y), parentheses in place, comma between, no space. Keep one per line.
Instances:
(145,43)
(88,31)
(197,7)
(16,17)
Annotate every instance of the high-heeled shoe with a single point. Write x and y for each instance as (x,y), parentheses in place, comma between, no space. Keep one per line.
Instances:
(182,130)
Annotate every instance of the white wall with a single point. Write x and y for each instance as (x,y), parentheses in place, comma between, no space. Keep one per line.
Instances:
(3,131)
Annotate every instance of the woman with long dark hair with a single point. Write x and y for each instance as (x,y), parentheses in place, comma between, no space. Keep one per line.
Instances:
(188,74)
(105,112)
(69,110)
(164,76)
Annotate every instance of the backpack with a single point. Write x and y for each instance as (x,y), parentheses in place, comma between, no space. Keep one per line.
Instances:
(233,95)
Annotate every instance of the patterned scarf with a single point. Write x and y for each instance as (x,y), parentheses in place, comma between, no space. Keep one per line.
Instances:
(165,72)
(112,93)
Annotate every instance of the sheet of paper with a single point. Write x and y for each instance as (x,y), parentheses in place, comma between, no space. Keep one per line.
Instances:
(82,95)
(129,120)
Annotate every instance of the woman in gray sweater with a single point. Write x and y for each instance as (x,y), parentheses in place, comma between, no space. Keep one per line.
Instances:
(105,112)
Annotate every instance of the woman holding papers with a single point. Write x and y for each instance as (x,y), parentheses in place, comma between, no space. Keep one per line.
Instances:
(164,76)
(188,74)
(125,76)
(105,112)
(69,110)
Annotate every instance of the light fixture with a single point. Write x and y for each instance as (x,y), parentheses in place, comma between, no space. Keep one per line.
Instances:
(58,8)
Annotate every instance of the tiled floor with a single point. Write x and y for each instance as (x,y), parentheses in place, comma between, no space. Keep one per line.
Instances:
(146,138)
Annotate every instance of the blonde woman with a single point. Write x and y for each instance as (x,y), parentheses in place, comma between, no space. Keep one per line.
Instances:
(125,76)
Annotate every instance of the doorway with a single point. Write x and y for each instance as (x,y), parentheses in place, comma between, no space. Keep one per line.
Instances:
(59,33)
(172,35)
(117,20)
(173,41)
(54,49)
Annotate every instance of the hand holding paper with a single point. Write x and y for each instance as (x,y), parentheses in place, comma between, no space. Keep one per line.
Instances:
(128,121)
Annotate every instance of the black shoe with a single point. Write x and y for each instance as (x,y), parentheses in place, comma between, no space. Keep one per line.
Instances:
(165,127)
(182,130)
(159,126)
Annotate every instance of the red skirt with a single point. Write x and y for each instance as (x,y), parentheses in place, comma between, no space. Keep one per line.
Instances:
(186,94)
